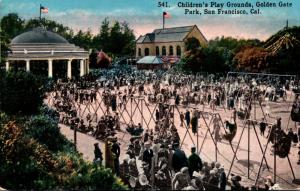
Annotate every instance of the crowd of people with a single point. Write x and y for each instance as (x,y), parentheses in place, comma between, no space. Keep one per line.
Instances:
(163,164)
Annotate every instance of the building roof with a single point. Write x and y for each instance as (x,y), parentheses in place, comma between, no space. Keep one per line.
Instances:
(166,35)
(150,60)
(39,35)
(40,44)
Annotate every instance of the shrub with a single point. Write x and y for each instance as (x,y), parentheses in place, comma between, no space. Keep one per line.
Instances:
(20,92)
(46,131)
(27,163)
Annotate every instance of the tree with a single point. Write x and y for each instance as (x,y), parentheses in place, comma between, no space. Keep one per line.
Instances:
(129,39)
(192,44)
(229,46)
(101,40)
(117,39)
(20,92)
(83,39)
(12,25)
(253,59)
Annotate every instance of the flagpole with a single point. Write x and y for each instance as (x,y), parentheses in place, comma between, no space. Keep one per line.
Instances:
(40,12)
(163,20)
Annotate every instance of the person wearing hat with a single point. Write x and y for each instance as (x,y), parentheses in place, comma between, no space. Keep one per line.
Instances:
(181,116)
(115,149)
(194,123)
(98,154)
(187,118)
(148,155)
(213,181)
(179,159)
(144,182)
(181,179)
(216,130)
(194,162)
(170,156)
(222,179)
(124,171)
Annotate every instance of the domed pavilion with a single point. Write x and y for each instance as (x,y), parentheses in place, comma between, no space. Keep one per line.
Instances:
(46,46)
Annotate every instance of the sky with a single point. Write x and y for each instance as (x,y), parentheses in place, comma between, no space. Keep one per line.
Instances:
(144,16)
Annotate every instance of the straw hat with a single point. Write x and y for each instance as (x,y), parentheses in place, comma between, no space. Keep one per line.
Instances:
(131,162)
(143,180)
(212,172)
(184,169)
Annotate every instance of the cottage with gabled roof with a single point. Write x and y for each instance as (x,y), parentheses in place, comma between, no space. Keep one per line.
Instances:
(167,41)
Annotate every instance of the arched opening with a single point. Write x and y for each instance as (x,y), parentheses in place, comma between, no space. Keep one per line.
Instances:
(171,51)
(163,51)
(157,51)
(146,51)
(139,52)
(178,51)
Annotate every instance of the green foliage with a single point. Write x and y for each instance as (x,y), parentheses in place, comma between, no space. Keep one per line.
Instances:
(117,39)
(83,39)
(20,92)
(27,163)
(205,59)
(227,47)
(12,25)
(192,44)
(46,131)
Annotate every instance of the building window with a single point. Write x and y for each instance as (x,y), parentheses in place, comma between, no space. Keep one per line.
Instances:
(178,51)
(163,51)
(146,51)
(157,51)
(140,52)
(171,50)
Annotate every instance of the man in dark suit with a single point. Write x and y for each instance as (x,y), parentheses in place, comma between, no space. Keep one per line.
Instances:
(148,155)
(194,162)
(115,149)
(179,159)
(187,118)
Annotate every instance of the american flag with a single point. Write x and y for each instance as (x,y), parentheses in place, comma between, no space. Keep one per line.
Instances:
(44,9)
(166,15)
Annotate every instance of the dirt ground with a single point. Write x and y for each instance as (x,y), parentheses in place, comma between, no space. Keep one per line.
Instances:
(142,112)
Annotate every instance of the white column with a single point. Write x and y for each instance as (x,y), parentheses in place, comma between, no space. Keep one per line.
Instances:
(7,66)
(69,72)
(27,65)
(87,66)
(82,69)
(50,68)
